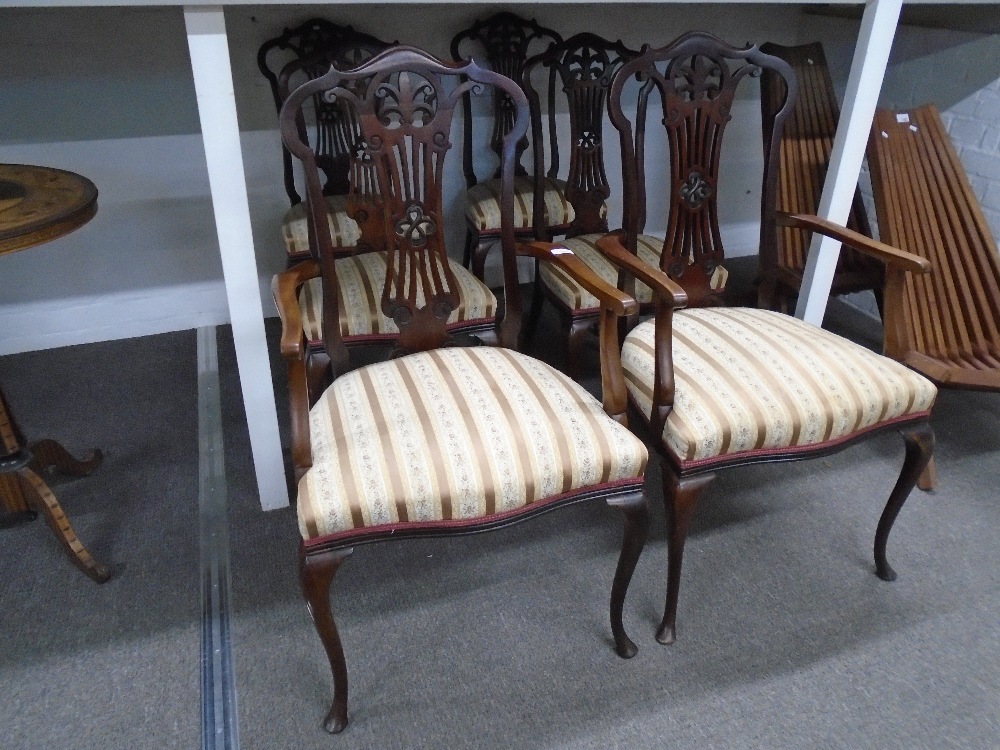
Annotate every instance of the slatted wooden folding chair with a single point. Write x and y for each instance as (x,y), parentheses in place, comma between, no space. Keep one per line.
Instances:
(947,325)
(804,159)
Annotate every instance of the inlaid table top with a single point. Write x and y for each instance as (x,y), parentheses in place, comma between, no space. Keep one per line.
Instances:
(39,204)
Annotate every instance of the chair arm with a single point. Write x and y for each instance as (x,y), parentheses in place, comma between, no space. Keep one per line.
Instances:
(663,286)
(615,304)
(670,296)
(619,302)
(285,288)
(888,254)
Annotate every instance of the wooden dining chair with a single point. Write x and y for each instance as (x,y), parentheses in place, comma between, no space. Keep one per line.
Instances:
(504,42)
(584,65)
(803,160)
(441,439)
(728,386)
(945,325)
(295,56)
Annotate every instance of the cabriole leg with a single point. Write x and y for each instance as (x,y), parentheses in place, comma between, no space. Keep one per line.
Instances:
(680,496)
(634,539)
(316,573)
(535,313)
(919,449)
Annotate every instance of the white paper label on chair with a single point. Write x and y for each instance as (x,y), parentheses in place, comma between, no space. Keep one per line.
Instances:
(561,251)
(902,117)
(884,134)
(913,128)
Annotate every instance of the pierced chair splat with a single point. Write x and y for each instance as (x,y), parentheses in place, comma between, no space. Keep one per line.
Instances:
(441,439)
(726,386)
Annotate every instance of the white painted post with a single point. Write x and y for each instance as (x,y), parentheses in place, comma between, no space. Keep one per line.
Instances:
(878,27)
(213,82)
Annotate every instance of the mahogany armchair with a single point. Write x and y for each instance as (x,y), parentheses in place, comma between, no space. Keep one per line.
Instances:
(504,42)
(441,439)
(297,55)
(727,386)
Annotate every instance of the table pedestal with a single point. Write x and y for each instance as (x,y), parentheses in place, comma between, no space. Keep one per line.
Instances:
(37,205)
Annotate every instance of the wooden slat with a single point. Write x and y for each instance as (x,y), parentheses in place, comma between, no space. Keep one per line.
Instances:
(926,206)
(806,146)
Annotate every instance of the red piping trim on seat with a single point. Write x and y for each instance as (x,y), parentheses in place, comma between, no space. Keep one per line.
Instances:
(793,450)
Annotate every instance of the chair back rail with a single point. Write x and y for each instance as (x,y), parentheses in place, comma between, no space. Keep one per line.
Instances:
(403,101)
(926,206)
(694,80)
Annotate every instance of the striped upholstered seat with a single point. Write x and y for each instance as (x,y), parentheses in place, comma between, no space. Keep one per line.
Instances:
(455,435)
(578,299)
(574,296)
(483,209)
(343,229)
(756,381)
(360,279)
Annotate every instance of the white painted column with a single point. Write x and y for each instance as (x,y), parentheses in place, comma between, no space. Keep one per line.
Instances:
(878,27)
(213,83)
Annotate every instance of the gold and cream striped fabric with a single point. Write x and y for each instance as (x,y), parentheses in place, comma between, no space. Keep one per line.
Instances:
(756,380)
(574,296)
(343,229)
(360,279)
(455,434)
(483,209)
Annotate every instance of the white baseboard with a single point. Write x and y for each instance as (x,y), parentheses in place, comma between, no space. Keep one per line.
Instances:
(84,320)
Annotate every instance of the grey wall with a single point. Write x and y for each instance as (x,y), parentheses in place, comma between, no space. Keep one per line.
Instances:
(108,92)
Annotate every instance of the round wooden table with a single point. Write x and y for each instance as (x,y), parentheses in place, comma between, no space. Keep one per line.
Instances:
(37,205)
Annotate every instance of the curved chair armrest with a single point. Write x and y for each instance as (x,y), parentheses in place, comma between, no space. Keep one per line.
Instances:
(285,289)
(615,304)
(662,285)
(886,253)
(619,302)
(670,296)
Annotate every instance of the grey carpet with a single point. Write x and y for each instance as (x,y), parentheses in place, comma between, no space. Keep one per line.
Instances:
(116,665)
(786,637)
